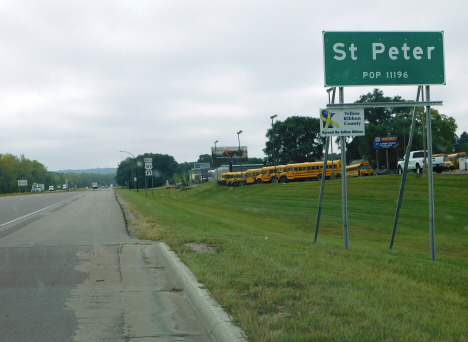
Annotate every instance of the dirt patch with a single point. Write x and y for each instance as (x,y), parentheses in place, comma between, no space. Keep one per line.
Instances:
(201,247)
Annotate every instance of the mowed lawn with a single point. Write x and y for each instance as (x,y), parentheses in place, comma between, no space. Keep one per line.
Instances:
(280,286)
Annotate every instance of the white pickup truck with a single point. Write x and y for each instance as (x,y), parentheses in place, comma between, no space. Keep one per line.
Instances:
(416,163)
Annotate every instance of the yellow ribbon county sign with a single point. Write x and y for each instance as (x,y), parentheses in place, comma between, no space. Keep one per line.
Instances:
(342,122)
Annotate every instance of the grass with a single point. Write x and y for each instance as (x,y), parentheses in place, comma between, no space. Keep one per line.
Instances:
(279,286)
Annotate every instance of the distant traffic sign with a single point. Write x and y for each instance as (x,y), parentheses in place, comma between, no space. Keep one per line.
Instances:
(148,172)
(383,58)
(148,160)
(202,166)
(148,166)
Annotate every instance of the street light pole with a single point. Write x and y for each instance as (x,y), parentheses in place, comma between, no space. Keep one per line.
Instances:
(136,169)
(273,141)
(240,157)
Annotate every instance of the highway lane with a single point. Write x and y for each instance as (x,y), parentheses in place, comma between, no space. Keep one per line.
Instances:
(72,273)
(14,207)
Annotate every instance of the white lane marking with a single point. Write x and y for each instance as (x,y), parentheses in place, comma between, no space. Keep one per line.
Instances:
(37,211)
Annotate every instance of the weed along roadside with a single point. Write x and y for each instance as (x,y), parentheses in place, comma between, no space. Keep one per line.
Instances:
(262,268)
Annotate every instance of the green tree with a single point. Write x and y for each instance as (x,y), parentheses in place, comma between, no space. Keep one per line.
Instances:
(380,122)
(295,140)
(443,132)
(462,143)
(8,176)
(254,160)
(205,158)
(164,168)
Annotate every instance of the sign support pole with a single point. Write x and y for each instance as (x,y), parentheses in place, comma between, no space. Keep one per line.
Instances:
(405,168)
(344,189)
(431,177)
(322,186)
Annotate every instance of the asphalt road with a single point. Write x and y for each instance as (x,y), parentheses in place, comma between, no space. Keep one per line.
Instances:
(70,272)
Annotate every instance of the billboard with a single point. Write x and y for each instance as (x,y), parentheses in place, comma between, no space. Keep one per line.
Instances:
(386,142)
(223,154)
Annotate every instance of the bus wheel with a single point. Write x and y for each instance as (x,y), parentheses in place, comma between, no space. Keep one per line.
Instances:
(259,181)
(283,180)
(319,177)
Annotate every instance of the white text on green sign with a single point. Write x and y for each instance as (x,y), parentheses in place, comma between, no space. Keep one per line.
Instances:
(383,58)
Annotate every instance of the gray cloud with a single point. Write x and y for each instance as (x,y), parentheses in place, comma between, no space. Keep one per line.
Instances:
(83,80)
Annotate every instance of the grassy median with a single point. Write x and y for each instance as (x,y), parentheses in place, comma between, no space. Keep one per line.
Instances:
(280,286)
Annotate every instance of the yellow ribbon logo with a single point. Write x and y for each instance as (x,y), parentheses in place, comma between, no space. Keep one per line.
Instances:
(327,120)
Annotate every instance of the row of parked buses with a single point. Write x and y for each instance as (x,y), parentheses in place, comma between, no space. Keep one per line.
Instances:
(293,172)
(311,171)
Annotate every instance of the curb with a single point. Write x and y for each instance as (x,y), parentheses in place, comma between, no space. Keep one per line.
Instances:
(210,312)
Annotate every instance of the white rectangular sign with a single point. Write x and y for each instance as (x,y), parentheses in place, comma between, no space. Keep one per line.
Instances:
(148,166)
(22,182)
(148,172)
(202,166)
(345,122)
(148,160)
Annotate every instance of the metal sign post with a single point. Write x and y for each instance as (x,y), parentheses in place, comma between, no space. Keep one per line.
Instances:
(148,173)
(431,178)
(341,122)
(388,58)
(344,188)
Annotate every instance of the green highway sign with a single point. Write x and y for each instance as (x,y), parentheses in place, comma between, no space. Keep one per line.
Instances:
(383,58)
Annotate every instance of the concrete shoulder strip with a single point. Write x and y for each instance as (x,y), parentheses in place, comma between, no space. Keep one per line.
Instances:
(213,316)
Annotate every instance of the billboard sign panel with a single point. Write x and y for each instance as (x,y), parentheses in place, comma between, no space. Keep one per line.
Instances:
(386,142)
(342,122)
(383,58)
(22,182)
(223,154)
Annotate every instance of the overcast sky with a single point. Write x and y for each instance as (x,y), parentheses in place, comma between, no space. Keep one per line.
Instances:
(82,80)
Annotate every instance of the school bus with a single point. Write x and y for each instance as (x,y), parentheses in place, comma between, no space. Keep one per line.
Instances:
(222,179)
(250,176)
(454,159)
(227,178)
(359,169)
(235,179)
(268,174)
(308,171)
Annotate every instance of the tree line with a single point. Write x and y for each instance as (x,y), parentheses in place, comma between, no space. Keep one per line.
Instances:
(13,168)
(295,140)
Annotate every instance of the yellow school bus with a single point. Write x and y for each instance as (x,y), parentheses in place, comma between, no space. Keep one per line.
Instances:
(268,174)
(250,176)
(223,178)
(226,178)
(454,159)
(308,171)
(235,179)
(359,169)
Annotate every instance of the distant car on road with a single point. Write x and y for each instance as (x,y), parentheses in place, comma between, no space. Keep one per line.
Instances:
(51,188)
